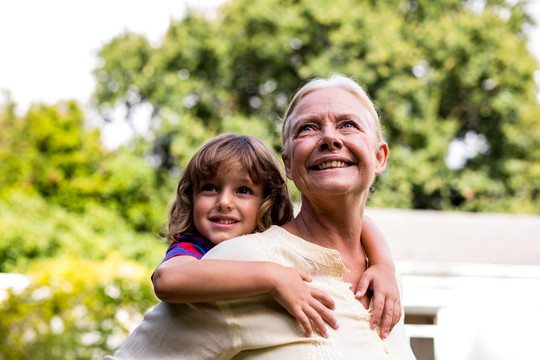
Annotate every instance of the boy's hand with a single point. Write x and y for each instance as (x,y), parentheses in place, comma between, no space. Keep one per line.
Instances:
(386,299)
(307,304)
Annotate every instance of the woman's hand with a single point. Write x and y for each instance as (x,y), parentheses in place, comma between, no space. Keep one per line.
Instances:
(307,304)
(386,299)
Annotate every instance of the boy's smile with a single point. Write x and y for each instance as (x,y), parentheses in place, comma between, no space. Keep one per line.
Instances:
(226,206)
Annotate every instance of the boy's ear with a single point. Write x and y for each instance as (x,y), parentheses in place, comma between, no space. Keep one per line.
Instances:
(287,164)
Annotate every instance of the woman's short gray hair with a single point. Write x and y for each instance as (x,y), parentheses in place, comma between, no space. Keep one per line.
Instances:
(334,81)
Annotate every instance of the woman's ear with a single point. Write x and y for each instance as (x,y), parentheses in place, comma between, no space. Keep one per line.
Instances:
(381,157)
(287,164)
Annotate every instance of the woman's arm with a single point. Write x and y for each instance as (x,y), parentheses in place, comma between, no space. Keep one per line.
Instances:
(184,279)
(380,277)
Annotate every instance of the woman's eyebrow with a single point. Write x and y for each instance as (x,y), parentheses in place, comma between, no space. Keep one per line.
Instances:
(302,119)
(354,116)
(307,115)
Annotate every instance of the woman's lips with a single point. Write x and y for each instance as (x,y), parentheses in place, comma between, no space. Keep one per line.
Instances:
(331,164)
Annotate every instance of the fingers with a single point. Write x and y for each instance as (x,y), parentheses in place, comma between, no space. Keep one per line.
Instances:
(304,275)
(363,284)
(304,321)
(311,307)
(317,321)
(387,319)
(320,311)
(323,298)
(397,313)
(387,312)
(386,300)
(364,300)
(316,315)
(378,308)
(324,314)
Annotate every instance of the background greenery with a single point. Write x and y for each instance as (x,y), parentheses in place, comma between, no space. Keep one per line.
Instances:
(83,221)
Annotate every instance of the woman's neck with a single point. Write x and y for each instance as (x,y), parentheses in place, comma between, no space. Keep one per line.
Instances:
(334,229)
(332,224)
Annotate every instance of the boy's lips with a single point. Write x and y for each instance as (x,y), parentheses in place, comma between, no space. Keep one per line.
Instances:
(223,220)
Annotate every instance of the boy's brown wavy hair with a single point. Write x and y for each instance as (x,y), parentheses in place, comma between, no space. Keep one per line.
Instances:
(231,151)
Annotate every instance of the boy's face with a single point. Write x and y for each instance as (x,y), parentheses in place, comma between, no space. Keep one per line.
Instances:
(226,206)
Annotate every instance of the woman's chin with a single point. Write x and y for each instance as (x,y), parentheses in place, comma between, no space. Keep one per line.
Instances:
(336,188)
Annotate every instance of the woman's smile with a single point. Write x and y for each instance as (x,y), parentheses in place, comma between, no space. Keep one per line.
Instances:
(332,164)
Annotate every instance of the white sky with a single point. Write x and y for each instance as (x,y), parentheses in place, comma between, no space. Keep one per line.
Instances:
(48,48)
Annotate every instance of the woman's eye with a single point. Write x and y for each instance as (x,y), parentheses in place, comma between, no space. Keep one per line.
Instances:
(350,124)
(306,127)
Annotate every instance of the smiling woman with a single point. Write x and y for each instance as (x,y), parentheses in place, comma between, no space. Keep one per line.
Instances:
(332,139)
(366,111)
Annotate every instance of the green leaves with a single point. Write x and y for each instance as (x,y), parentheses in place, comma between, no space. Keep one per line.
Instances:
(74,309)
(34,229)
(437,70)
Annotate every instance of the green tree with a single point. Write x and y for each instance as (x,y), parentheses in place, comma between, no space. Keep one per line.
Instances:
(71,213)
(74,309)
(442,72)
(51,152)
(34,229)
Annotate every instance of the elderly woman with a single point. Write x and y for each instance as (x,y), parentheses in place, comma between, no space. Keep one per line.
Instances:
(332,151)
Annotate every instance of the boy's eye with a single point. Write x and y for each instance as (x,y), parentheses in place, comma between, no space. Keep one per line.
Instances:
(245,190)
(208,187)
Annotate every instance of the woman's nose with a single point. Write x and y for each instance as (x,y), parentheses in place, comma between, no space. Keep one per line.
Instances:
(330,138)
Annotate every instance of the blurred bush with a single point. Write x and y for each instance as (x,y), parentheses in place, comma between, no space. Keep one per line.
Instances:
(74,309)
(33,229)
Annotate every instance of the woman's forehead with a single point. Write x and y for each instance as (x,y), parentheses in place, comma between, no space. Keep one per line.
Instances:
(335,100)
(336,105)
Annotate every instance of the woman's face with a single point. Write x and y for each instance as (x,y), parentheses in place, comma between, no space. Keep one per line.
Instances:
(333,150)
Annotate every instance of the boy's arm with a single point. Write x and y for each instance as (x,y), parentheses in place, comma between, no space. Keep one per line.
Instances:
(380,276)
(184,279)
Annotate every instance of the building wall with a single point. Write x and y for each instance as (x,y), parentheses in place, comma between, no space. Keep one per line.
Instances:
(480,312)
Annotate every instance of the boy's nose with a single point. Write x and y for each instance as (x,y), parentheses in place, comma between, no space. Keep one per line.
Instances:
(224,202)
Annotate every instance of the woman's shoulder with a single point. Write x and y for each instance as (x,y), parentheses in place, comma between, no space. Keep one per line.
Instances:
(246,247)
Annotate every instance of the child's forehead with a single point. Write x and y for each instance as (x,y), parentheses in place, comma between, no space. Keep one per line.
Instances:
(236,172)
(228,166)
(236,169)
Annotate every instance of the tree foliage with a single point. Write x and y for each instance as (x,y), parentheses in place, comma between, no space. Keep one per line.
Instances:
(442,73)
(71,214)
(74,309)
(33,229)
(50,152)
